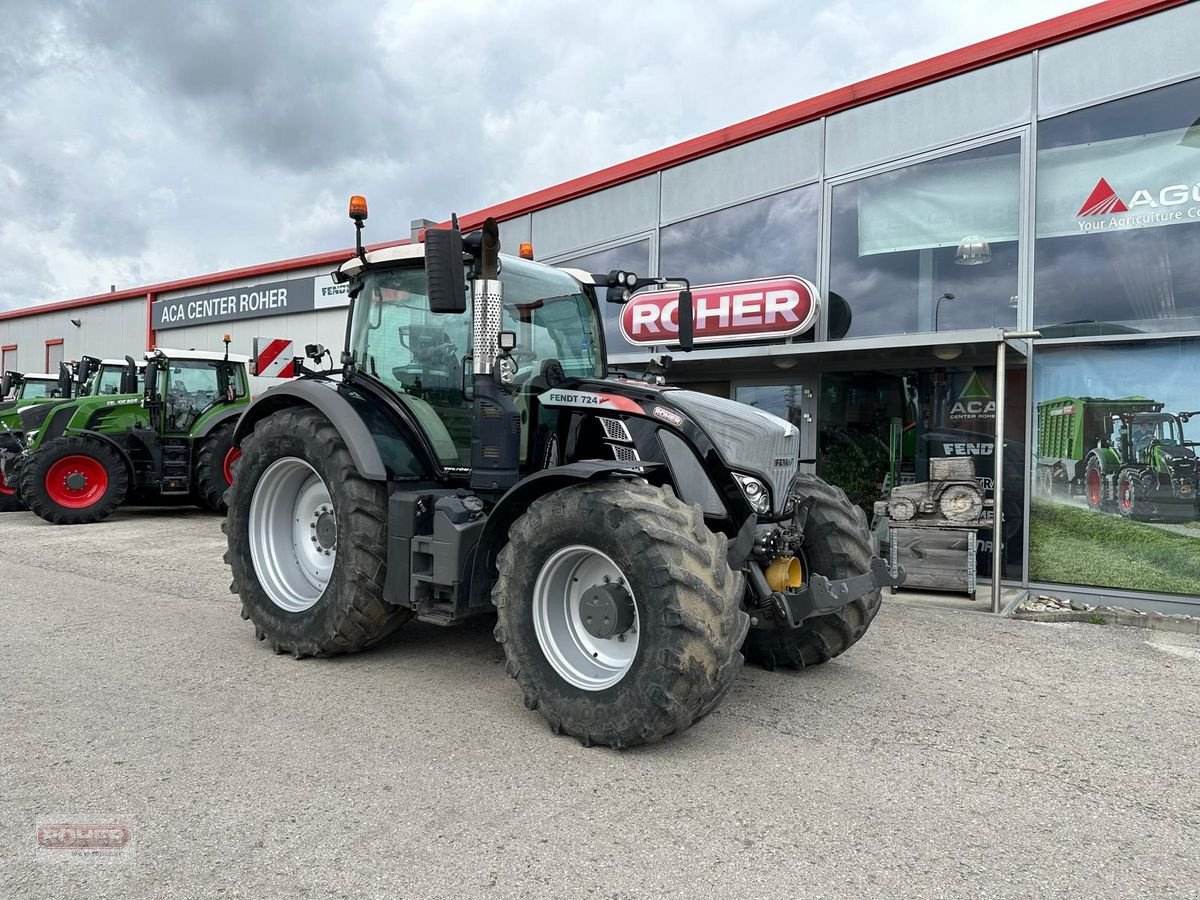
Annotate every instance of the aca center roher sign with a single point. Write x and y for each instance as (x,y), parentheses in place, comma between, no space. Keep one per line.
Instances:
(229,304)
(765,308)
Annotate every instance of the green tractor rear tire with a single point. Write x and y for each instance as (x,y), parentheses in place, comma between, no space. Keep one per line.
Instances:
(836,545)
(297,489)
(618,613)
(213,475)
(75,480)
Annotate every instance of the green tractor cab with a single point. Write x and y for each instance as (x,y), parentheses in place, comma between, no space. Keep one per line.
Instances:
(168,441)
(470,456)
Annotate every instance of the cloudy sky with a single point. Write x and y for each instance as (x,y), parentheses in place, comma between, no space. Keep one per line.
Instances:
(143,140)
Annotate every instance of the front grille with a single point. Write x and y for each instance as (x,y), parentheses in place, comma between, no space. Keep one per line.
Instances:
(749,439)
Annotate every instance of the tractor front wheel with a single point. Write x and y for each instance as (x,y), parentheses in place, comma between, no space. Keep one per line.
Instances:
(74,480)
(213,476)
(619,615)
(837,544)
(306,537)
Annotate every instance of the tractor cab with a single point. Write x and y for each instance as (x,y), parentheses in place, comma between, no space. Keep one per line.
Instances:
(118,376)
(39,386)
(183,386)
(1149,437)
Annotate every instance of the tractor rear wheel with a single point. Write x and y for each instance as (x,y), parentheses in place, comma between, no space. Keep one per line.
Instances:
(213,476)
(619,615)
(837,544)
(297,491)
(74,480)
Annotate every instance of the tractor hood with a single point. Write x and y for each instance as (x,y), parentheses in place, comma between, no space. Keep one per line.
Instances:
(750,440)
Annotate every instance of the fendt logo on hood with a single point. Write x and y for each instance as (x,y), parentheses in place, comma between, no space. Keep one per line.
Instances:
(739,311)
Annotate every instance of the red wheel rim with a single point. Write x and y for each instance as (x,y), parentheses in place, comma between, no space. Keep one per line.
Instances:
(6,489)
(231,457)
(1093,487)
(1126,496)
(76,482)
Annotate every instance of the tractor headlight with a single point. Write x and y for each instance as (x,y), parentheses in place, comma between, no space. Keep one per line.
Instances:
(756,493)
(30,437)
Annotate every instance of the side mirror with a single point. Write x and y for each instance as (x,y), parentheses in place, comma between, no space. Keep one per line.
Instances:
(687,321)
(6,384)
(65,379)
(444,271)
(223,382)
(152,380)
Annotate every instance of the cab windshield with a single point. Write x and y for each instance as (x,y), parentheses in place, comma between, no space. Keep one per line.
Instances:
(38,388)
(108,380)
(423,357)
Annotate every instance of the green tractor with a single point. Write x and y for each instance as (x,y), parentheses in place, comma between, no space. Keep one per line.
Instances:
(170,441)
(1127,456)
(27,391)
(471,457)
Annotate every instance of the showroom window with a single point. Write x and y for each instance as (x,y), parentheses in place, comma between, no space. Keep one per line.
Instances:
(1118,216)
(634,257)
(1115,474)
(774,235)
(929,247)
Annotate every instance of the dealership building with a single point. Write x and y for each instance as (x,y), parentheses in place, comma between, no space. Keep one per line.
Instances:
(1044,183)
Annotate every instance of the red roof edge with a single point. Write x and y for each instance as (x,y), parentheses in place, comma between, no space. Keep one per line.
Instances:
(975,56)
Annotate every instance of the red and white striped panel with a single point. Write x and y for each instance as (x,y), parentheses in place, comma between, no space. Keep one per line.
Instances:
(274,358)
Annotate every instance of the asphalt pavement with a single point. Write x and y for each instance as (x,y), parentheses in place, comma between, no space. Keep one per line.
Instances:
(949,754)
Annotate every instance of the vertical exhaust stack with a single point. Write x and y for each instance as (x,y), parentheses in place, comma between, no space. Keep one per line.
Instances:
(496,432)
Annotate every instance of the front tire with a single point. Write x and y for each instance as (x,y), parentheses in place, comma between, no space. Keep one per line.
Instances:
(837,544)
(682,625)
(297,490)
(74,480)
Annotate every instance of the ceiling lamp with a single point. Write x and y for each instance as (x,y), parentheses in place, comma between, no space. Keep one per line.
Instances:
(972,250)
(947,353)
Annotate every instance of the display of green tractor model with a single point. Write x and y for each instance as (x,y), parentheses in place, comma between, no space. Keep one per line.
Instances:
(470,457)
(1124,455)
(170,441)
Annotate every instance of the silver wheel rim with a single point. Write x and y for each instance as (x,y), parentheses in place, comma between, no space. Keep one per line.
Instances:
(582,659)
(293,534)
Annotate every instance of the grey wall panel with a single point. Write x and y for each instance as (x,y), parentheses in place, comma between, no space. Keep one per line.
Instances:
(966,106)
(513,233)
(759,167)
(608,214)
(1158,48)
(104,330)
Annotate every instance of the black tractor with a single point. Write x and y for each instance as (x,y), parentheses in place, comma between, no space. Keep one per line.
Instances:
(470,456)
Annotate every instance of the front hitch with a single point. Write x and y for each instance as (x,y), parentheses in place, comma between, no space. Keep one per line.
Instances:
(819,596)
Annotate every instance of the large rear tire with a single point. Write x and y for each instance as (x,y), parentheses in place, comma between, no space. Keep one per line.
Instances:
(74,480)
(837,544)
(297,489)
(674,652)
(1093,486)
(213,476)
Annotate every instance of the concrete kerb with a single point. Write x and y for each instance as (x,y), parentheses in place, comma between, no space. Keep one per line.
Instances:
(1043,608)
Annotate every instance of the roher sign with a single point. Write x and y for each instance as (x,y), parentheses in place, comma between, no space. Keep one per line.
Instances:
(766,308)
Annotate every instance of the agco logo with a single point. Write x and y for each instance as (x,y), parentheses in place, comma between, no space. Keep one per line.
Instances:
(1103,200)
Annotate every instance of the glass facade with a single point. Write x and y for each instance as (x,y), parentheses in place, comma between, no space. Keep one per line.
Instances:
(1118,216)
(929,247)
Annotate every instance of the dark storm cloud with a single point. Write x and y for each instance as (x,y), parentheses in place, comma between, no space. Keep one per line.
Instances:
(143,140)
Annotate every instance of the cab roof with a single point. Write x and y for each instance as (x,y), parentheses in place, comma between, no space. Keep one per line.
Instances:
(207,355)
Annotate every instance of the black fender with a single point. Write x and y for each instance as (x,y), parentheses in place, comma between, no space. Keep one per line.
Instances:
(217,421)
(105,439)
(516,501)
(323,397)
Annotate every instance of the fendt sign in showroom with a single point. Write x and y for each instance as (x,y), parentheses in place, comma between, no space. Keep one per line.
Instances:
(273,298)
(773,308)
